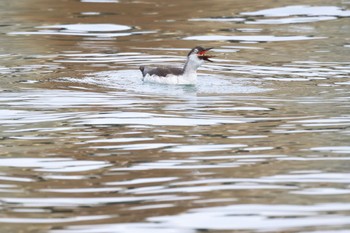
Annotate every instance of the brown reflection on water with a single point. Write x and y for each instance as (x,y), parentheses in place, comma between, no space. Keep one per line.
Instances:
(80,147)
(171,22)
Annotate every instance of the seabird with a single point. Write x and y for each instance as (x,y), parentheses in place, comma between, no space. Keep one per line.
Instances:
(174,75)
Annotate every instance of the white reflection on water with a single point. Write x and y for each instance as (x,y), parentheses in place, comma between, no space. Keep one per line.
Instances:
(94,30)
(257,217)
(18,117)
(202,162)
(201,140)
(135,118)
(143,181)
(204,148)
(318,177)
(322,191)
(124,228)
(334,149)
(302,10)
(81,201)
(53,99)
(297,14)
(252,217)
(89,27)
(292,20)
(219,19)
(112,140)
(173,165)
(130,80)
(211,188)
(132,147)
(284,15)
(309,178)
(54,220)
(260,38)
(81,190)
(53,164)
(100,1)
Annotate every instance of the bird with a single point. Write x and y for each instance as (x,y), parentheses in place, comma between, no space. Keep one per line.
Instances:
(187,75)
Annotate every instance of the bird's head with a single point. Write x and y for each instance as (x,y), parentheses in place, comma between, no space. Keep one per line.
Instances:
(199,53)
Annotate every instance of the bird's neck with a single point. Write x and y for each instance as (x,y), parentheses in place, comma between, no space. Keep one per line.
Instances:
(191,66)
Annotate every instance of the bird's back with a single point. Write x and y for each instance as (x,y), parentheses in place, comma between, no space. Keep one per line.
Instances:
(160,71)
(167,75)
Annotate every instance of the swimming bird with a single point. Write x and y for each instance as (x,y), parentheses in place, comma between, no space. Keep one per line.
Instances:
(173,75)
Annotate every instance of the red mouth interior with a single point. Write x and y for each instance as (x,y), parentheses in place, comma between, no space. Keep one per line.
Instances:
(203,55)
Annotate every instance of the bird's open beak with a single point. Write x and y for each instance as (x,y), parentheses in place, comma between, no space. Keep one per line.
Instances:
(202,55)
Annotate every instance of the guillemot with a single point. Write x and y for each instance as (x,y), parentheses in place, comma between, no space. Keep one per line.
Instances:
(173,75)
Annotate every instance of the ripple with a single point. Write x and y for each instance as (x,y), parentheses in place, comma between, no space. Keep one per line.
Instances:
(130,80)
(16,179)
(299,13)
(138,118)
(81,190)
(238,109)
(325,122)
(65,177)
(147,207)
(257,145)
(306,177)
(256,217)
(284,15)
(258,38)
(233,82)
(251,217)
(53,220)
(90,13)
(28,69)
(53,164)
(343,83)
(82,201)
(175,164)
(300,10)
(100,1)
(122,228)
(204,148)
(205,162)
(295,71)
(310,178)
(93,30)
(55,99)
(201,189)
(143,181)
(334,149)
(322,191)
(10,117)
(144,146)
(292,20)
(219,19)
(237,157)
(89,27)
(119,140)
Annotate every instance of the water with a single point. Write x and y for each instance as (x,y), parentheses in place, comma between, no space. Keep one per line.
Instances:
(260,144)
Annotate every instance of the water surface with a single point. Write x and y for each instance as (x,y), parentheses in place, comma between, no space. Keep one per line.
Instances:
(260,144)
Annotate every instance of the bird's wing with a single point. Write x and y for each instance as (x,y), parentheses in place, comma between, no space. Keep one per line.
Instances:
(160,71)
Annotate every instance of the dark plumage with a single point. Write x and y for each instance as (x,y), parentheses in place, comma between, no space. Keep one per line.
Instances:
(161,71)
